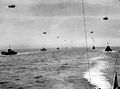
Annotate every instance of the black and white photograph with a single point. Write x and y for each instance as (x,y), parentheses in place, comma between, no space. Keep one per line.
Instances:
(59,44)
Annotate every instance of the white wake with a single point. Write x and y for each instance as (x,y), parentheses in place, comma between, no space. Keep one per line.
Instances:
(97,77)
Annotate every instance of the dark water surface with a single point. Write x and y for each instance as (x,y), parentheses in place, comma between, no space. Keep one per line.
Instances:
(63,69)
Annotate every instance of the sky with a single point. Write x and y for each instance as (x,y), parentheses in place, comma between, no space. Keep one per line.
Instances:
(23,26)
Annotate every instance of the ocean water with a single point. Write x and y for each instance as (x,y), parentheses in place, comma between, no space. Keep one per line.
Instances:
(113,48)
(58,69)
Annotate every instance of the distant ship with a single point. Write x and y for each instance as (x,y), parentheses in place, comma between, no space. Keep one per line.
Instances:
(58,48)
(10,52)
(108,48)
(43,49)
(93,47)
(11,6)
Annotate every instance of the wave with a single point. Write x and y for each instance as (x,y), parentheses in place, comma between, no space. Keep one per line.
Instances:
(95,74)
(28,52)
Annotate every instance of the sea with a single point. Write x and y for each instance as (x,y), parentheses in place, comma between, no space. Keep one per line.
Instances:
(71,68)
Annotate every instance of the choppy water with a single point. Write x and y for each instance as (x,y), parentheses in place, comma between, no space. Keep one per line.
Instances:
(53,70)
(95,74)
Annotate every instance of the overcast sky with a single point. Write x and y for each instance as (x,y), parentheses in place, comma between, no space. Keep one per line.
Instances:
(23,26)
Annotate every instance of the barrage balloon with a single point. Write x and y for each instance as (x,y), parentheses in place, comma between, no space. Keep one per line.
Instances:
(91,32)
(105,18)
(11,6)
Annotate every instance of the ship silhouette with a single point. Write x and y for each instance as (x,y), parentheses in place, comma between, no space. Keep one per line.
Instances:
(93,47)
(11,6)
(58,48)
(43,49)
(9,52)
(108,48)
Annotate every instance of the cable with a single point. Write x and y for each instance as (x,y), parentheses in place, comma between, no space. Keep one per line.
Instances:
(115,66)
(86,40)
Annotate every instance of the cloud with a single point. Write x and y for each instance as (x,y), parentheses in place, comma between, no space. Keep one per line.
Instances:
(103,2)
(41,8)
(30,18)
(72,9)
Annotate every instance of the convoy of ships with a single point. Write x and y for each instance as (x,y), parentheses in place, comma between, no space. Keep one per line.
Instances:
(12,52)
(107,49)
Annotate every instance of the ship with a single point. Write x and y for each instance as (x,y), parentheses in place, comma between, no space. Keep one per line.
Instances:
(9,52)
(108,48)
(58,48)
(93,47)
(43,49)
